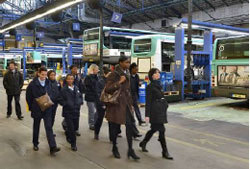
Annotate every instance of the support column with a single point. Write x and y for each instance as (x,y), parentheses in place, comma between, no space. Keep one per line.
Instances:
(179,57)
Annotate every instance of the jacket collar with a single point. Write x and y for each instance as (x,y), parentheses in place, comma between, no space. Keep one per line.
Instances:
(36,81)
(157,83)
(121,72)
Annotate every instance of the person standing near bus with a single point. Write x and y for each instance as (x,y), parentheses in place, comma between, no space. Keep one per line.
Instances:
(13,83)
(135,84)
(90,83)
(156,112)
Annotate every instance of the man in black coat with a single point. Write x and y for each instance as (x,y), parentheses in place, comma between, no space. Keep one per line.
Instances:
(135,84)
(13,83)
(37,88)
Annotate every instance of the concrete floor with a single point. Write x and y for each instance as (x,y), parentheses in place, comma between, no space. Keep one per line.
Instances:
(208,134)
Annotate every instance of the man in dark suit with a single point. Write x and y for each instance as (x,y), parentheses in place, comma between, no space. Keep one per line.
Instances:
(13,83)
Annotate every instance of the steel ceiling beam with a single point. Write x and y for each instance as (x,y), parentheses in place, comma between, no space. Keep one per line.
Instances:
(157,6)
(146,15)
(179,15)
(203,10)
(15,6)
(225,2)
(38,12)
(207,2)
(111,12)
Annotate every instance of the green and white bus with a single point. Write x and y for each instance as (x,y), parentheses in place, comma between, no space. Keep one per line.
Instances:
(157,51)
(117,42)
(5,59)
(230,67)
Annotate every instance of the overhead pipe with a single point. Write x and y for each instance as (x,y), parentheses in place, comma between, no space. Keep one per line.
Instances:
(83,18)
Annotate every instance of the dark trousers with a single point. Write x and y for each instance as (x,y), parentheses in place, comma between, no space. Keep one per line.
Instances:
(100,116)
(115,128)
(137,109)
(48,128)
(54,108)
(161,129)
(17,105)
(72,124)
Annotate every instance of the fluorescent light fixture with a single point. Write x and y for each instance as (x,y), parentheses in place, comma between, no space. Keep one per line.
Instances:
(215,30)
(65,5)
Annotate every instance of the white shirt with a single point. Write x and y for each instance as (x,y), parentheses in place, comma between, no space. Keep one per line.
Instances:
(71,88)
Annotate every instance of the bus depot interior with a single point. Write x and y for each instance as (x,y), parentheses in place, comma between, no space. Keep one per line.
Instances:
(208,98)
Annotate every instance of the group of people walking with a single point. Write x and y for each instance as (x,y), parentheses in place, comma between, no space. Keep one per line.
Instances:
(113,95)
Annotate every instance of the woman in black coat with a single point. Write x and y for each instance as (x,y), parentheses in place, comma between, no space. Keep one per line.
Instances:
(156,112)
(55,86)
(37,88)
(71,100)
(100,106)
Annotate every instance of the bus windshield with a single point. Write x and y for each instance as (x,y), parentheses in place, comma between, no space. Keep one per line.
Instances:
(235,48)
(117,42)
(143,45)
(91,34)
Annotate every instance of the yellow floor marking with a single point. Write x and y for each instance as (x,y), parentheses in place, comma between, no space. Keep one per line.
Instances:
(209,135)
(226,155)
(198,147)
(200,106)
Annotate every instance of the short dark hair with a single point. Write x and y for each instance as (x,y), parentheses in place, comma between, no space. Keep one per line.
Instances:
(123,59)
(151,73)
(132,66)
(49,72)
(12,62)
(42,69)
(72,66)
(68,76)
(106,70)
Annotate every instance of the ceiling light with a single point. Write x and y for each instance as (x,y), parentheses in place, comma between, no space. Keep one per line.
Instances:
(58,8)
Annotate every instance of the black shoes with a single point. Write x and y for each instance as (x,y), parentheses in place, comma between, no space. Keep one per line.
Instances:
(131,153)
(8,116)
(35,148)
(78,134)
(137,135)
(20,117)
(73,148)
(116,152)
(143,146)
(54,150)
(167,156)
